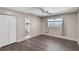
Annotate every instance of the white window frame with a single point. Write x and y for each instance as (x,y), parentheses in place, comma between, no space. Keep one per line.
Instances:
(54,20)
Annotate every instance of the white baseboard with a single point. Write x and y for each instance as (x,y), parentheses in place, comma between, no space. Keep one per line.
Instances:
(63,37)
(26,38)
(21,40)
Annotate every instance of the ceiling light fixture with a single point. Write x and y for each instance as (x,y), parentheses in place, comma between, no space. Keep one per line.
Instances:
(43,11)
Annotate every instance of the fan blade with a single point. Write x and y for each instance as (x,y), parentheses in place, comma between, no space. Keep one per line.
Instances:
(43,11)
(48,12)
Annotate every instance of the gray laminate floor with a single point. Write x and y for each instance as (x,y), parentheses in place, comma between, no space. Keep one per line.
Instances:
(43,43)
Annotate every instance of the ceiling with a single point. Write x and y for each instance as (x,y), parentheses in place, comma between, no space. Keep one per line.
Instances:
(45,11)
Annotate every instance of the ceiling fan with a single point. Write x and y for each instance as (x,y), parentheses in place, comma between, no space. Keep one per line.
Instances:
(44,11)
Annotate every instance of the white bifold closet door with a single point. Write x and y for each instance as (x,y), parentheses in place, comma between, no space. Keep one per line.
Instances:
(7,30)
(12,29)
(3,30)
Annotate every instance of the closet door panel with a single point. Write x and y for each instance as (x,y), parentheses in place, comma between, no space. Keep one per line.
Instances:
(12,37)
(12,29)
(3,30)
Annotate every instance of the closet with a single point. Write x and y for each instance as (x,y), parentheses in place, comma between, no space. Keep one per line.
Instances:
(7,29)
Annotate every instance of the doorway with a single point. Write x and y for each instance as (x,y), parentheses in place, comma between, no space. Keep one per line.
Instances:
(27,28)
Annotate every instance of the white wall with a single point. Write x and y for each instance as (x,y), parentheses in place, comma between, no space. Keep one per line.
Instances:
(71,27)
(78,28)
(35,23)
(35,26)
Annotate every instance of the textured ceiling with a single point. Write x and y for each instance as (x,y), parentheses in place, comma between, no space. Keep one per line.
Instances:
(45,11)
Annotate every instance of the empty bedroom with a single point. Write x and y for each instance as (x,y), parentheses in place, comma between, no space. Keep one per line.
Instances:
(39,29)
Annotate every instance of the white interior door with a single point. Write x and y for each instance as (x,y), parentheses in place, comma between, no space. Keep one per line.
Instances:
(3,30)
(12,29)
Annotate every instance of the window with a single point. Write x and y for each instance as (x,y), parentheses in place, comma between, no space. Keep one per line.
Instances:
(57,23)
